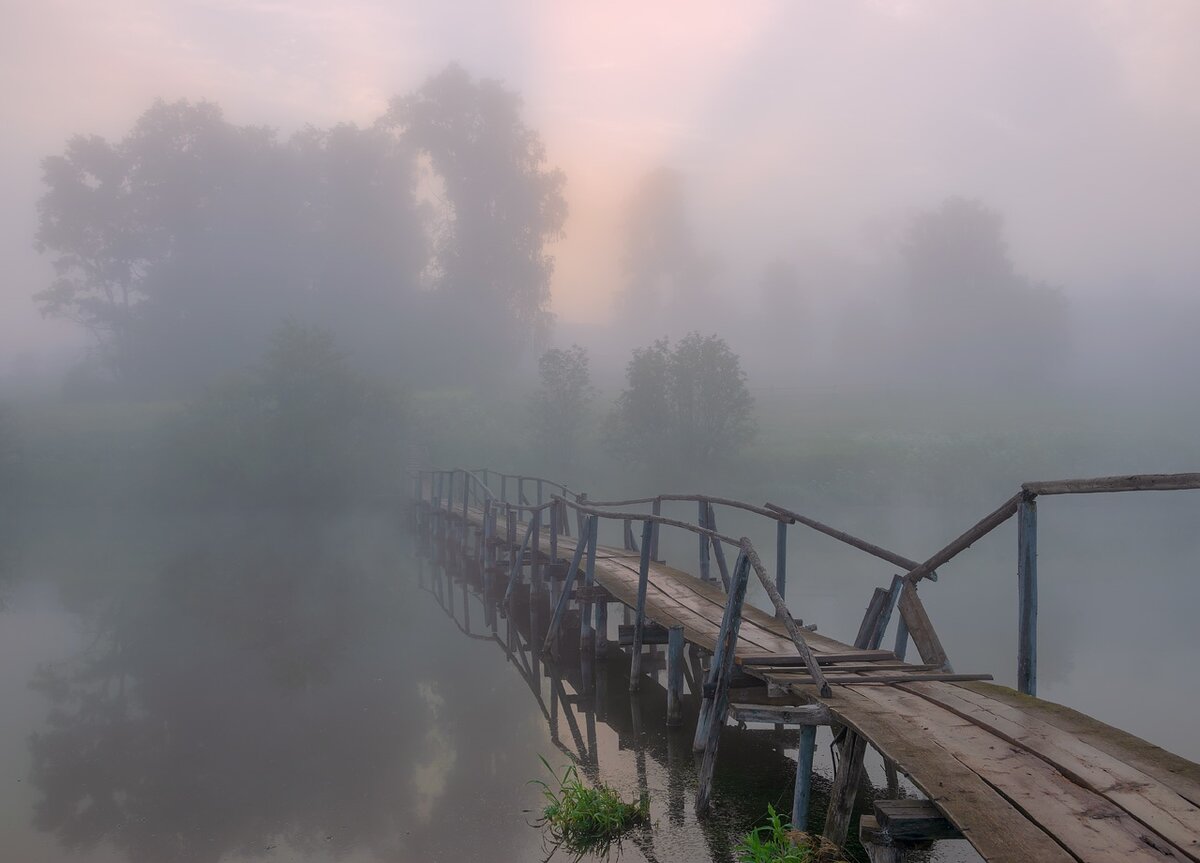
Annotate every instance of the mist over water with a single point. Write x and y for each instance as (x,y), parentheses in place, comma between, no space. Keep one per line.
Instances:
(876,262)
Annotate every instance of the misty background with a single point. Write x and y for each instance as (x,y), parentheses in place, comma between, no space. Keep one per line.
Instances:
(878,262)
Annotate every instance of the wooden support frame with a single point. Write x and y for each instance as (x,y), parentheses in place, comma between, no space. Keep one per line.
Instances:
(565,597)
(639,623)
(722,670)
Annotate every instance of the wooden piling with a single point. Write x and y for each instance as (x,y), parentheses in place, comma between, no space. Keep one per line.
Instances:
(675,644)
(846,780)
(802,794)
(639,622)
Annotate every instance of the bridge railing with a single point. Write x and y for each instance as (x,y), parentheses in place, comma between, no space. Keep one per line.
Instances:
(1023,505)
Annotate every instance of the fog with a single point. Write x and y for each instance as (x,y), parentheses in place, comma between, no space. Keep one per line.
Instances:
(879,262)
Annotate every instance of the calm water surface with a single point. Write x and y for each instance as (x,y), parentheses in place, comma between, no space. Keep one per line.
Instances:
(286,688)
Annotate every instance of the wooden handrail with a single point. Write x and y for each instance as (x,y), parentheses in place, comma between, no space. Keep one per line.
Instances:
(1128,482)
(642,516)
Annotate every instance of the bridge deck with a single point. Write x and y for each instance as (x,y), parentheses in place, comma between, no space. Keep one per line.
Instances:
(1023,779)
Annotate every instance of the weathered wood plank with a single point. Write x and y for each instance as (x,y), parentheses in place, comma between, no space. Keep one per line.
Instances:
(1089,826)
(1143,797)
(1128,482)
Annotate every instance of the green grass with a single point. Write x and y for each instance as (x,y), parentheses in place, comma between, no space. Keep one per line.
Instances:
(777,842)
(583,819)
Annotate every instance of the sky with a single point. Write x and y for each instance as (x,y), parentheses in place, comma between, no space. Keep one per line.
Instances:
(795,124)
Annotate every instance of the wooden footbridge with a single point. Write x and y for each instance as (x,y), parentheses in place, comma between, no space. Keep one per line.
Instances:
(1020,778)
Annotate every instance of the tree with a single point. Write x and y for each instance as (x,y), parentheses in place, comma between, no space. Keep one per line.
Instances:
(667,279)
(972,312)
(301,428)
(688,405)
(560,404)
(182,246)
(502,205)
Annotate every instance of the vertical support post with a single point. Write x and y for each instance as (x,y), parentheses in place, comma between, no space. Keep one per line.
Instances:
(657,510)
(901,647)
(601,634)
(674,676)
(504,487)
(804,768)
(521,490)
(702,520)
(554,521)
(639,622)
(587,636)
(722,670)
(539,492)
(718,550)
(1027,594)
(781,558)
(845,787)
(535,582)
(565,597)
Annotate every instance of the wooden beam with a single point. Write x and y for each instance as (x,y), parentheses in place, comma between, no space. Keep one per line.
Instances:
(1128,482)
(821,658)
(781,610)
(784,714)
(921,628)
(912,820)
(849,539)
(968,538)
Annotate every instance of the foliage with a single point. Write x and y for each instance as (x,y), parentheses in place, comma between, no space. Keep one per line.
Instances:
(667,278)
(778,842)
(689,404)
(586,819)
(181,245)
(502,204)
(969,303)
(301,427)
(560,404)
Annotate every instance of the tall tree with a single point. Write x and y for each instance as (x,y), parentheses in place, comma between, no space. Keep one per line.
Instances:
(972,313)
(667,279)
(182,245)
(561,403)
(688,405)
(503,204)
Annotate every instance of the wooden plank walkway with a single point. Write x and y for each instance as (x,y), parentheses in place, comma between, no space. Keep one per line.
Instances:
(1021,778)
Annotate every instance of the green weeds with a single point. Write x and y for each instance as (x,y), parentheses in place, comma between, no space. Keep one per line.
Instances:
(583,819)
(777,842)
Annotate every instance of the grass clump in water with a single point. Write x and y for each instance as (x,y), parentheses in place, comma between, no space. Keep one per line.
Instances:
(777,842)
(583,819)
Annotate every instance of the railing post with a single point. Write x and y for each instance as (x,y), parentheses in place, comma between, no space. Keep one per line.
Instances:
(657,510)
(504,487)
(639,622)
(587,636)
(1027,594)
(554,521)
(781,558)
(702,520)
(539,492)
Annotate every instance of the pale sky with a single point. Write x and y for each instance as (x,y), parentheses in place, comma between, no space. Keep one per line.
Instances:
(795,123)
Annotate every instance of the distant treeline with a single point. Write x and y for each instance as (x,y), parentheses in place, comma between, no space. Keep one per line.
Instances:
(418,241)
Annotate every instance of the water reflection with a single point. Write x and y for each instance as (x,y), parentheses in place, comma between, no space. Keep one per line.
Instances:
(575,696)
(289,689)
(243,698)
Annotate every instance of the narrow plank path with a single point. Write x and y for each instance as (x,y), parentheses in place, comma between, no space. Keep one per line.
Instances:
(1023,779)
